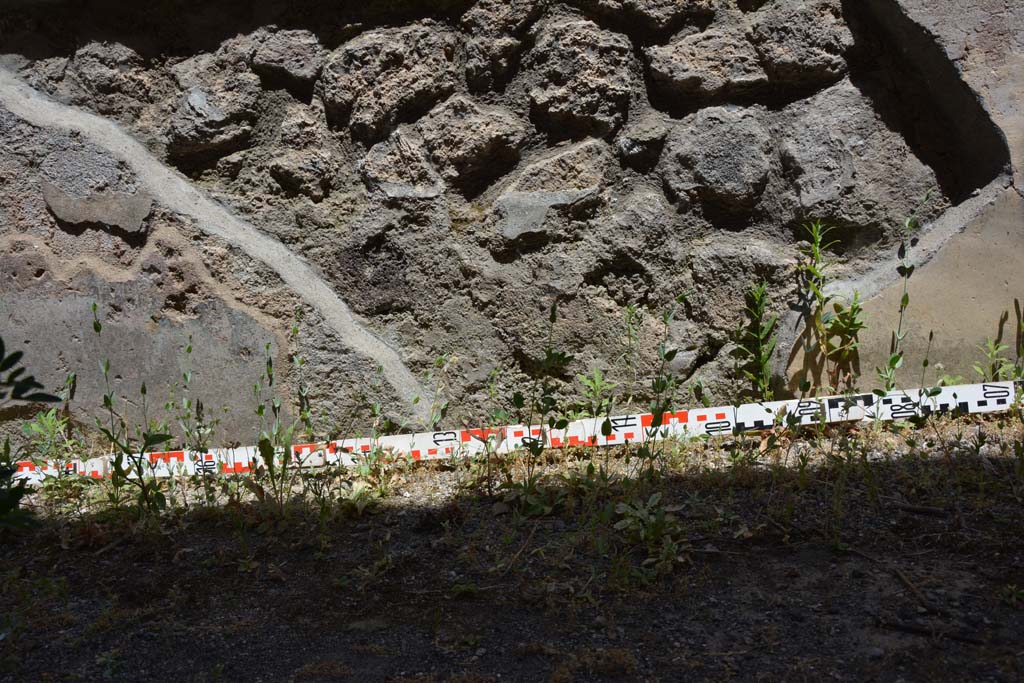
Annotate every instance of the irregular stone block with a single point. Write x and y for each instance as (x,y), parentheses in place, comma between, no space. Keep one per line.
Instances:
(113,209)
(720,156)
(386,76)
(582,79)
(470,143)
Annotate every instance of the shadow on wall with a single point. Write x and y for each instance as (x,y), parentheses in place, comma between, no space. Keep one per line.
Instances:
(918,91)
(38,29)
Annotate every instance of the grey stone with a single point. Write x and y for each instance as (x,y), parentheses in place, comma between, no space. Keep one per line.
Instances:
(651,15)
(495,29)
(147,321)
(562,179)
(471,143)
(582,79)
(115,209)
(709,65)
(386,76)
(306,172)
(399,168)
(216,112)
(640,141)
(295,56)
(720,156)
(846,165)
(801,42)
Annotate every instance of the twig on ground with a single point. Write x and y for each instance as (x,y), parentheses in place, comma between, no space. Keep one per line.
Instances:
(915,591)
(916,630)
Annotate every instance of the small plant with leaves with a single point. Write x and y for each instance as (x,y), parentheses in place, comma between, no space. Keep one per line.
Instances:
(274,476)
(530,494)
(756,340)
(905,268)
(131,468)
(997,366)
(842,343)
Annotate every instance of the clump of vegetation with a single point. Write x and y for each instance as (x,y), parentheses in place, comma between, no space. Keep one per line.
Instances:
(833,329)
(756,342)
(16,385)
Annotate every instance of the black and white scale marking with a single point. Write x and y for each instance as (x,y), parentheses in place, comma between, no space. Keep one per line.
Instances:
(987,397)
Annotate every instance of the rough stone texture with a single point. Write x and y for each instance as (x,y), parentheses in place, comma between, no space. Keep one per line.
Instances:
(640,142)
(387,76)
(584,79)
(294,57)
(651,15)
(454,169)
(495,29)
(123,211)
(565,178)
(400,168)
(214,116)
(148,317)
(709,65)
(472,144)
(801,42)
(844,161)
(306,172)
(719,156)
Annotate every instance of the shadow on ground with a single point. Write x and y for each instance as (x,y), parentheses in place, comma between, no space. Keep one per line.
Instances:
(864,568)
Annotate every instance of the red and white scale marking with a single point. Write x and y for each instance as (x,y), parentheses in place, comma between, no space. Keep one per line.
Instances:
(638,428)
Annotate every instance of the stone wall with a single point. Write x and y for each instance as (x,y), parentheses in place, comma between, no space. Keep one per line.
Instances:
(415,184)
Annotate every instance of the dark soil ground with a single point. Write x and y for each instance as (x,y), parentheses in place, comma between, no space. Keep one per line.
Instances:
(891,558)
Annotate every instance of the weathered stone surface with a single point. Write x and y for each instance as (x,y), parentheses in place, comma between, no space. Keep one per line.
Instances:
(651,15)
(114,209)
(801,42)
(386,76)
(301,127)
(709,65)
(640,141)
(495,29)
(847,166)
(292,56)
(147,321)
(583,79)
(215,114)
(304,172)
(470,143)
(474,206)
(719,156)
(105,69)
(567,177)
(400,168)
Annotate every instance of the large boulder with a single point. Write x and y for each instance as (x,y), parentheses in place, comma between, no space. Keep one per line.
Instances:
(495,29)
(564,178)
(386,76)
(709,65)
(847,166)
(802,43)
(292,58)
(583,83)
(399,168)
(720,156)
(471,144)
